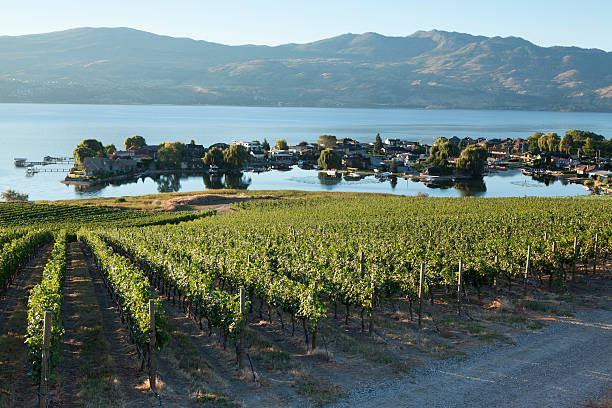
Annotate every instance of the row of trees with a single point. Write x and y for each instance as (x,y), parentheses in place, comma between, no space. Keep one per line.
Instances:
(470,161)
(575,141)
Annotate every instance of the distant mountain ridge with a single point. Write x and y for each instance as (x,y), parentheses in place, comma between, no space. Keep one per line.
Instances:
(428,69)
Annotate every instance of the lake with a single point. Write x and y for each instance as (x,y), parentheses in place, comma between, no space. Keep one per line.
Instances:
(37,130)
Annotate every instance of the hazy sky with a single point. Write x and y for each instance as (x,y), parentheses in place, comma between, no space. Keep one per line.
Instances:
(585,23)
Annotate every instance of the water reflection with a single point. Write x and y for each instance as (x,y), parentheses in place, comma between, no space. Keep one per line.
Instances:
(471,188)
(326,180)
(168,183)
(235,181)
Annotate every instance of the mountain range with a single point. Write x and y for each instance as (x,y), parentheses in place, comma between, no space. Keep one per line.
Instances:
(433,69)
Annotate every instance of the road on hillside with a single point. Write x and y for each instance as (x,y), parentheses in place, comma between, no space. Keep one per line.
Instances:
(564,365)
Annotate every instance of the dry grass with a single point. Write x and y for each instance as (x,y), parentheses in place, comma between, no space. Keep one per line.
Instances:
(317,390)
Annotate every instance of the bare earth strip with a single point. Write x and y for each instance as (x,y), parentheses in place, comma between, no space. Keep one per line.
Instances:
(564,365)
(16,388)
(100,368)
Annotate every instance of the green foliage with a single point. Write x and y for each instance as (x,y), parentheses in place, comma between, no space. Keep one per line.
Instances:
(170,155)
(14,253)
(281,144)
(214,157)
(441,151)
(11,196)
(549,142)
(327,141)
(47,296)
(88,148)
(58,216)
(265,145)
(235,157)
(472,160)
(131,290)
(110,149)
(378,146)
(134,141)
(330,160)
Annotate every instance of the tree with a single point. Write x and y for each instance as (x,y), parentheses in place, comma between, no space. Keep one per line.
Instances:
(330,160)
(441,151)
(393,166)
(12,196)
(590,146)
(265,145)
(327,141)
(214,157)
(236,156)
(88,148)
(134,141)
(170,154)
(548,142)
(378,146)
(566,143)
(110,149)
(472,160)
(281,144)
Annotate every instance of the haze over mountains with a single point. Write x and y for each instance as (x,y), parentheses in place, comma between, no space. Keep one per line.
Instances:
(432,69)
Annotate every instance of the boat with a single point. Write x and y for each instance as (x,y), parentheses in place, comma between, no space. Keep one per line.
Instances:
(20,161)
(352,176)
(332,173)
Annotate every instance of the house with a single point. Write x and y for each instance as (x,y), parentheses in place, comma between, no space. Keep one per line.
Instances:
(282,156)
(392,142)
(356,160)
(94,166)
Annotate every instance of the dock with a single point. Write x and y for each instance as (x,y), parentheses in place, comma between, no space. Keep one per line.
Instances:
(47,160)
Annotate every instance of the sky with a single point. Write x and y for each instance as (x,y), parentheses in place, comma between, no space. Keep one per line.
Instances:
(583,23)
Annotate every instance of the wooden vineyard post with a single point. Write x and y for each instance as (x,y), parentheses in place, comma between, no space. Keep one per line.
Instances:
(421,278)
(240,343)
(152,361)
(496,273)
(575,256)
(459,284)
(545,235)
(595,254)
(554,252)
(372,298)
(44,370)
(526,270)
(314,332)
(361,267)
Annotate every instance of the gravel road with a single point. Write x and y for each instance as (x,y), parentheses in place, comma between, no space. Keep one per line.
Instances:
(563,365)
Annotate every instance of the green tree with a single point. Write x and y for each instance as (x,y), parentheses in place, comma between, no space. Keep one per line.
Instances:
(11,196)
(134,141)
(441,151)
(327,141)
(566,143)
(214,157)
(378,146)
(590,147)
(265,145)
(548,142)
(170,155)
(88,148)
(330,160)
(472,160)
(236,156)
(110,149)
(281,144)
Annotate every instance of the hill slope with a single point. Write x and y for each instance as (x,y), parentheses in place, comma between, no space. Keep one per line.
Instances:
(432,69)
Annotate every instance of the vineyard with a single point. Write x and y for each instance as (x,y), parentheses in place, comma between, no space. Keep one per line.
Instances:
(295,291)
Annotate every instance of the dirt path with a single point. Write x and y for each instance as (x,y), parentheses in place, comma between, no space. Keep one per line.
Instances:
(16,388)
(100,366)
(561,366)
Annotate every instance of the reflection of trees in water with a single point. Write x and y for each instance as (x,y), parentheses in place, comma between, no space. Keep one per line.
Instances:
(237,181)
(234,181)
(393,182)
(327,180)
(168,183)
(471,188)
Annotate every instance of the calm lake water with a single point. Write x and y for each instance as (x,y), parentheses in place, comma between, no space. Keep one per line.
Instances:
(33,131)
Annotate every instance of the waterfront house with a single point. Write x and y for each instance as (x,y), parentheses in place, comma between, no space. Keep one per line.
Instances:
(281,156)
(96,166)
(600,175)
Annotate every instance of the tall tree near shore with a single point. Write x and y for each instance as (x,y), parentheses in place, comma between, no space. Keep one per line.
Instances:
(281,144)
(236,156)
(329,160)
(472,160)
(134,141)
(214,157)
(327,141)
(88,148)
(378,146)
